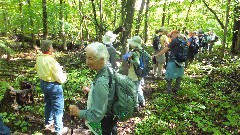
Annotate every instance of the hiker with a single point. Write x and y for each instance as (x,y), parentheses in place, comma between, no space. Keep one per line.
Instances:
(212,39)
(51,77)
(175,70)
(108,40)
(193,46)
(160,60)
(98,116)
(135,46)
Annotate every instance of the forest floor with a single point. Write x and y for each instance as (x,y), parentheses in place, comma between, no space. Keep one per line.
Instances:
(37,127)
(124,128)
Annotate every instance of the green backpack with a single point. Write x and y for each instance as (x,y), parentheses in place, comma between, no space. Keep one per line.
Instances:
(124,97)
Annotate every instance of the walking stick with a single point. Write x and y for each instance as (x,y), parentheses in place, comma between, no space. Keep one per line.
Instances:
(71,122)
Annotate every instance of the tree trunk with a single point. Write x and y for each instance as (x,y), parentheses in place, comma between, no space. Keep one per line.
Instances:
(130,7)
(189,8)
(95,19)
(62,29)
(139,20)
(44,19)
(20,10)
(5,18)
(214,13)
(32,24)
(235,48)
(225,28)
(101,19)
(164,12)
(146,22)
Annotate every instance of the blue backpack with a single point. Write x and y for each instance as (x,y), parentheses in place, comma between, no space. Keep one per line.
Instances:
(182,54)
(144,67)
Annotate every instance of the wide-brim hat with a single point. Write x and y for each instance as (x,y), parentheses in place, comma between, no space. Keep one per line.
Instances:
(162,29)
(109,37)
(135,42)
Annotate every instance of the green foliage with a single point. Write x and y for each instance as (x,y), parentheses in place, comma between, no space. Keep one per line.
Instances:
(209,105)
(3,88)
(5,49)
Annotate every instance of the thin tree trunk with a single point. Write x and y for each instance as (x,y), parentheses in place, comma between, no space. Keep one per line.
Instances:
(189,8)
(139,20)
(5,18)
(45,24)
(95,19)
(225,28)
(20,10)
(235,48)
(62,29)
(101,18)
(214,13)
(164,12)
(146,22)
(32,24)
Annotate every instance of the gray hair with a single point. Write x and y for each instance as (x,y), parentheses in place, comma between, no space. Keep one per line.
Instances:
(100,51)
(46,45)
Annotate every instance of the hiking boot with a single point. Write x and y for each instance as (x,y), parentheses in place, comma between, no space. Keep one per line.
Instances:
(49,127)
(64,131)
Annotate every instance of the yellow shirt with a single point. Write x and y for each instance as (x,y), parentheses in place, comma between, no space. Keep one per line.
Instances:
(49,70)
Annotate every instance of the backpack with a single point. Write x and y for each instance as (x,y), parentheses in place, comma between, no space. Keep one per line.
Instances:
(205,39)
(216,38)
(156,42)
(144,67)
(125,95)
(194,46)
(182,54)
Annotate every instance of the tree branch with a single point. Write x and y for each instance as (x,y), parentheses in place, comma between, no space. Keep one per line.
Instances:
(214,13)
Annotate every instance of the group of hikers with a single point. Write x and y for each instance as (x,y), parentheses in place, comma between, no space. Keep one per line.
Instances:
(100,115)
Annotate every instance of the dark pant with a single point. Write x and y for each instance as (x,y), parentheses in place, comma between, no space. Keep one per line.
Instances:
(109,125)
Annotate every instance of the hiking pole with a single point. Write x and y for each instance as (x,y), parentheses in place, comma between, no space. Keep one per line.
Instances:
(71,122)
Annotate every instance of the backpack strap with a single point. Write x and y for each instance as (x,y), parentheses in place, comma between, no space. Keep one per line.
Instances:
(110,77)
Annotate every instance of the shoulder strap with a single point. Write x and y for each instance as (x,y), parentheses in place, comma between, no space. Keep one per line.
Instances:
(110,77)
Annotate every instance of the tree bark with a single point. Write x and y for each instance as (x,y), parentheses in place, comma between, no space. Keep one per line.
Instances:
(146,22)
(130,7)
(21,27)
(62,28)
(32,24)
(225,28)
(139,20)
(235,48)
(164,12)
(44,19)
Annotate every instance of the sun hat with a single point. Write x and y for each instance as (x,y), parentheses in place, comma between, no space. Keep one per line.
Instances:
(109,37)
(46,45)
(135,41)
(162,29)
